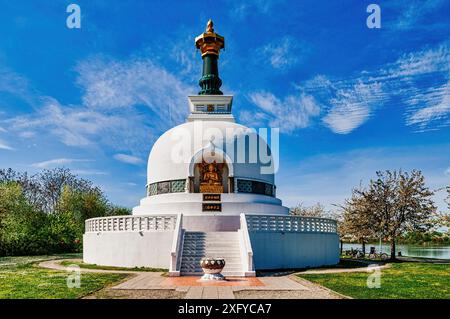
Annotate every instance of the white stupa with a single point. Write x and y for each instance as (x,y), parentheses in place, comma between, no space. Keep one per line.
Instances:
(211,193)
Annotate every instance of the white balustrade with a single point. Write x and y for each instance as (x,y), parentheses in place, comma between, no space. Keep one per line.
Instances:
(175,253)
(246,247)
(131,223)
(290,224)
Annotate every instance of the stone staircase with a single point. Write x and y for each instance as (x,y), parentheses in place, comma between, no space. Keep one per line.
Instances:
(197,245)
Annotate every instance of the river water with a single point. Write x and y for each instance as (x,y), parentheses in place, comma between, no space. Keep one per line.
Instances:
(432,251)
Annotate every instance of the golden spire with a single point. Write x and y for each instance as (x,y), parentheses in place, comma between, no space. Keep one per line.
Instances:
(209,42)
(210,26)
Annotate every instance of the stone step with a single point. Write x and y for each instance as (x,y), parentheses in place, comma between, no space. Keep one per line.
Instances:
(213,248)
(196,261)
(237,267)
(197,245)
(228,260)
(226,274)
(212,242)
(212,235)
(236,264)
(200,268)
(212,252)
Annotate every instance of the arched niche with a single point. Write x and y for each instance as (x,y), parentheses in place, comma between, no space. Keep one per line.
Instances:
(210,155)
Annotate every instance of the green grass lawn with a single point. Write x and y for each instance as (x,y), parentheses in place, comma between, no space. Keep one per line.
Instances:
(400,281)
(21,279)
(94,266)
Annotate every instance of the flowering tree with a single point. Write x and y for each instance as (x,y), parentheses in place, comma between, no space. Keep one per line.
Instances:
(397,202)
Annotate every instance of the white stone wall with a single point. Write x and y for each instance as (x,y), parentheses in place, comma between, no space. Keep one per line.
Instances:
(191,204)
(128,249)
(277,250)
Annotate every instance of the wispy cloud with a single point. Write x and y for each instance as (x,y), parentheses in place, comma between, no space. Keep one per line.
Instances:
(16,84)
(128,159)
(436,102)
(425,87)
(350,108)
(289,114)
(112,84)
(282,53)
(80,126)
(113,94)
(58,162)
(419,81)
(412,13)
(241,9)
(5,146)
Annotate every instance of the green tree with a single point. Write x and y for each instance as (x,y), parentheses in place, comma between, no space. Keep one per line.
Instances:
(46,212)
(21,225)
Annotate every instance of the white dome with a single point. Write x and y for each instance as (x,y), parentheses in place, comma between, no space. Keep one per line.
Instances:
(174,152)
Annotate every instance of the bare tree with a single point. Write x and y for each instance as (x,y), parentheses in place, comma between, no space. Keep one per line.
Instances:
(357,218)
(43,190)
(447,200)
(444,220)
(317,210)
(342,230)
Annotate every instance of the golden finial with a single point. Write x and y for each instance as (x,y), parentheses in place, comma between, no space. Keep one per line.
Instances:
(209,42)
(210,26)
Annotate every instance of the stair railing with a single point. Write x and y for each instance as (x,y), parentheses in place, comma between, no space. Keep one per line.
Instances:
(246,247)
(174,269)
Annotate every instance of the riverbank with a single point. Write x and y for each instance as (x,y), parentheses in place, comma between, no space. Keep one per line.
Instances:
(422,251)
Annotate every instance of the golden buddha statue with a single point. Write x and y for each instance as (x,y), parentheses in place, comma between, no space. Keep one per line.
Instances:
(211,176)
(211,179)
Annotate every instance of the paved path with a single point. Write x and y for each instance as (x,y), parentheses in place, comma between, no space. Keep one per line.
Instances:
(210,293)
(152,282)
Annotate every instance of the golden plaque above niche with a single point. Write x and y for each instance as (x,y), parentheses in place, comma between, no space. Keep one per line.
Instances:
(211,178)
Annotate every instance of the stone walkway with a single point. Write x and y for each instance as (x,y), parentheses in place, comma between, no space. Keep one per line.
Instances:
(219,290)
(150,283)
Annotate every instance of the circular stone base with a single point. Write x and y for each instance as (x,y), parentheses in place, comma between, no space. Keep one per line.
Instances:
(206,277)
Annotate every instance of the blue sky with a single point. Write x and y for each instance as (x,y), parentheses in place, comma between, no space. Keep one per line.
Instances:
(349,100)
